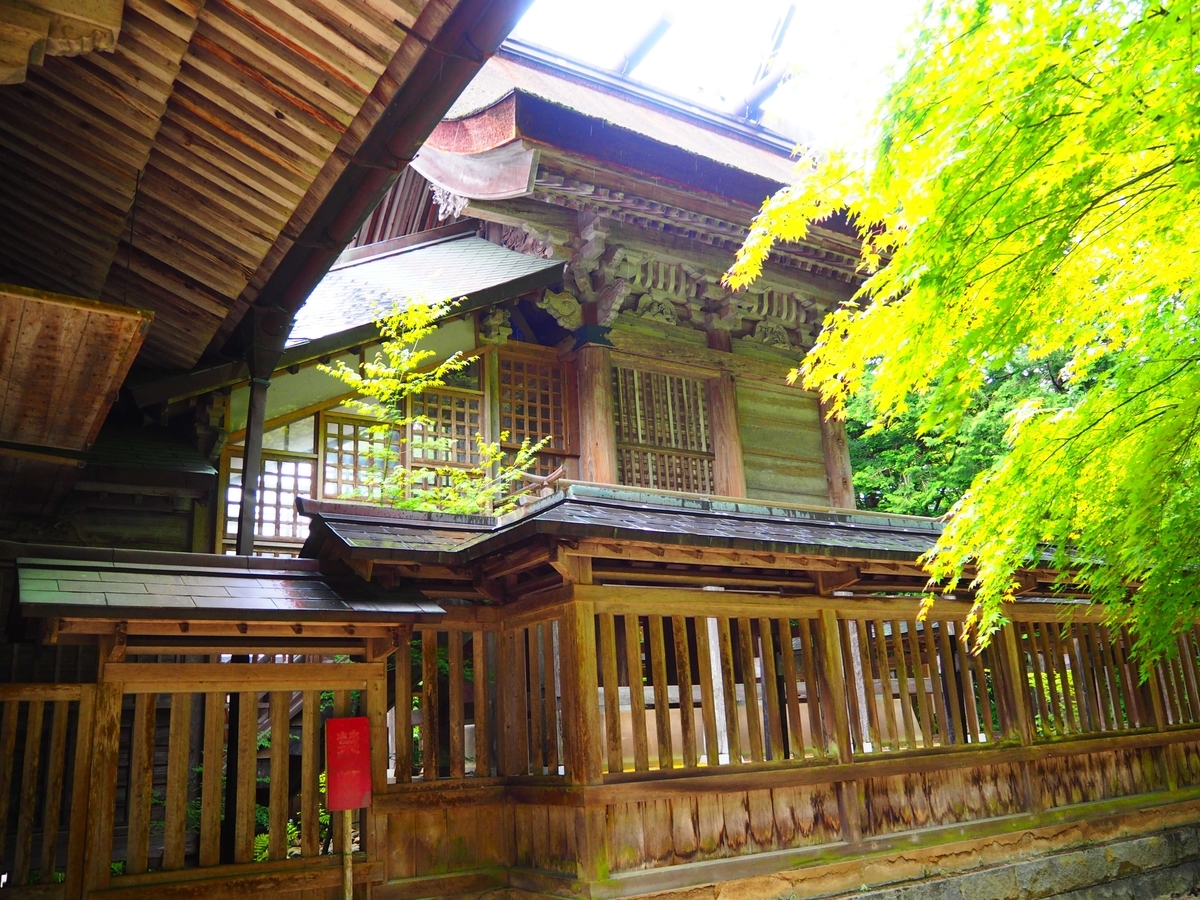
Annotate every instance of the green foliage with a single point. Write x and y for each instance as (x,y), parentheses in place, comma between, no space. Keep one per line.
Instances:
(900,468)
(1034,190)
(384,384)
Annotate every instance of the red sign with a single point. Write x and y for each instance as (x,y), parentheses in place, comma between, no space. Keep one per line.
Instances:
(348,758)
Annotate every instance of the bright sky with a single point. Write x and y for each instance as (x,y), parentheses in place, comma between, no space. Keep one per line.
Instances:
(840,52)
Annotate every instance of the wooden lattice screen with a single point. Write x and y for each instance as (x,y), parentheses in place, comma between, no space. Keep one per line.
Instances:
(662,431)
(534,405)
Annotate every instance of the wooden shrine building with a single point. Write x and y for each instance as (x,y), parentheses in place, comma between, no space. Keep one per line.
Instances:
(684,665)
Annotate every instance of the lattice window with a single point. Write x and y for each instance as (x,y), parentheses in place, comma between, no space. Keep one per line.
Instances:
(282,478)
(450,418)
(533,406)
(662,431)
(354,459)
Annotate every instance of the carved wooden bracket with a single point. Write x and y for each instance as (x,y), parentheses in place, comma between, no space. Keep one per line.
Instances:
(31,30)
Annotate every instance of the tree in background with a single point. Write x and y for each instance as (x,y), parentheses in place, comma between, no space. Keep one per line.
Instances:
(1035,190)
(900,468)
(402,369)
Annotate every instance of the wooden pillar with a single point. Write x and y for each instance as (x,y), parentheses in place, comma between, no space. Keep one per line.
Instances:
(251,463)
(581,730)
(836,451)
(729,474)
(1018,695)
(833,686)
(102,787)
(597,432)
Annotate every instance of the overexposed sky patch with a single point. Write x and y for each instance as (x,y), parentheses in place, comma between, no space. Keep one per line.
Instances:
(840,53)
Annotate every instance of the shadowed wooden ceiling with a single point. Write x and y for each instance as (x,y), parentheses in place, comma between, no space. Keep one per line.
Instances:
(239,116)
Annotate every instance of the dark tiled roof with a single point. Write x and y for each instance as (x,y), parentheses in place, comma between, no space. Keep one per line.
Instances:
(372,532)
(146,448)
(627,514)
(352,295)
(91,588)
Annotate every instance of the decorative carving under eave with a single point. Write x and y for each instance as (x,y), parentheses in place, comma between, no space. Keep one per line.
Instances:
(609,300)
(450,205)
(565,309)
(773,334)
(658,308)
(495,326)
(31,30)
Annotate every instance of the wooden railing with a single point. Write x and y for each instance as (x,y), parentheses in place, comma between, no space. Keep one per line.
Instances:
(45,752)
(245,730)
(601,731)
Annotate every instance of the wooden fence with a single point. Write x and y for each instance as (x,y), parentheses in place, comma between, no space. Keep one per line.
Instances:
(637,736)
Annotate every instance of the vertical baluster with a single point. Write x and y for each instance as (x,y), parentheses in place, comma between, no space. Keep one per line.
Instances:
(1051,672)
(141,783)
(808,650)
(938,705)
(213,763)
(923,710)
(754,720)
(637,695)
(662,706)
(950,682)
(1031,647)
(402,675)
(429,705)
(479,674)
(869,698)
(852,679)
(1139,715)
(1187,665)
(1103,697)
(708,697)
(770,685)
(729,686)
(969,688)
(687,714)
(27,804)
(1070,721)
(277,804)
(179,742)
(550,660)
(985,700)
(787,656)
(341,709)
(310,771)
(55,775)
(903,685)
(455,655)
(1118,675)
(247,778)
(885,685)
(1085,702)
(8,746)
(612,692)
(537,682)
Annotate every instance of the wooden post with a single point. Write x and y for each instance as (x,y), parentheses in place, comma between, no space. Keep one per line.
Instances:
(729,474)
(102,793)
(78,829)
(347,855)
(833,685)
(598,450)
(836,451)
(1018,694)
(251,463)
